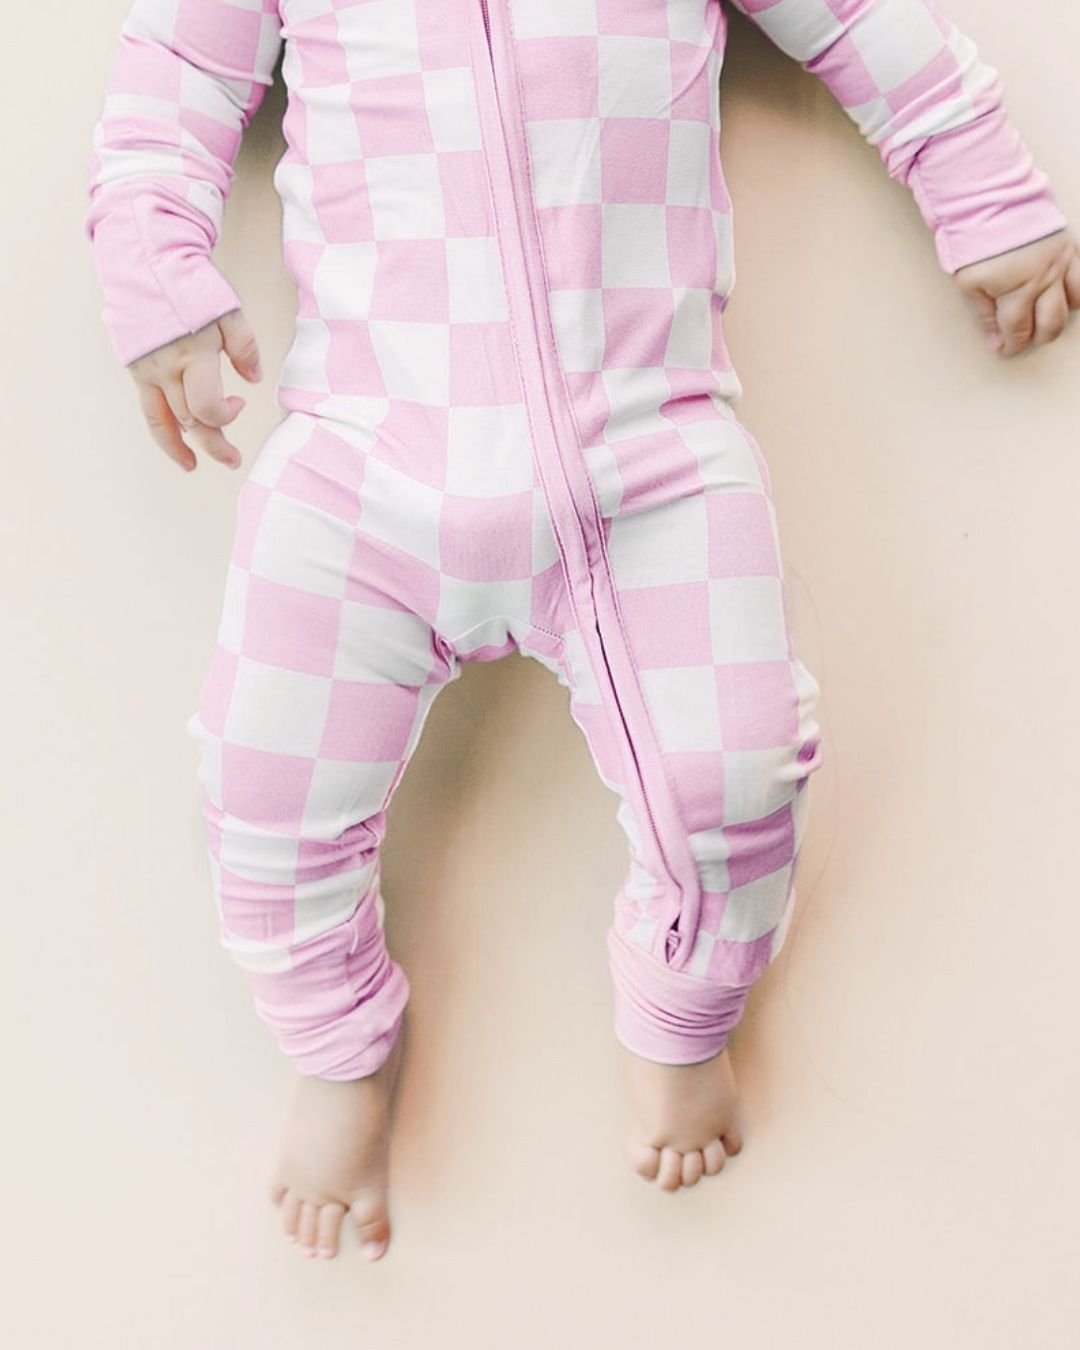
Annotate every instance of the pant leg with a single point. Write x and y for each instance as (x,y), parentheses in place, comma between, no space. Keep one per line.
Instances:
(695,559)
(324,670)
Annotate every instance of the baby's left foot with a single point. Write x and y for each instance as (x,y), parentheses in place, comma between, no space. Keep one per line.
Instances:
(683,1122)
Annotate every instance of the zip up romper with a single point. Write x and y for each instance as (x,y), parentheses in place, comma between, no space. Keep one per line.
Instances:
(507,424)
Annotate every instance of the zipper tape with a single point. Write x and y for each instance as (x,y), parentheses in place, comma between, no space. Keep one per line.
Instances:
(565,476)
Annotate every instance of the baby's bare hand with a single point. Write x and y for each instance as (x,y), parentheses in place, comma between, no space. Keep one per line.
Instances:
(181,393)
(1023,297)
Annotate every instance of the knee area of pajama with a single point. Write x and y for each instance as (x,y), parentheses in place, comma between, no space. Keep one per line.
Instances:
(733,787)
(295,872)
(742,750)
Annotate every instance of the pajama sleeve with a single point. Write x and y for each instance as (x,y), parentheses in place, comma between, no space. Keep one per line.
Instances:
(185,81)
(918,91)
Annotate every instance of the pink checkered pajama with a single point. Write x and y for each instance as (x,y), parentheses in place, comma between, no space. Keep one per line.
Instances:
(507,424)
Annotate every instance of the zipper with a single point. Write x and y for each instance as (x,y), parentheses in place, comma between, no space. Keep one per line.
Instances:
(518,192)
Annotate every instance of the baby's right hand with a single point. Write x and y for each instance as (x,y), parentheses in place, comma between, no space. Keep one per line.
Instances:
(180,389)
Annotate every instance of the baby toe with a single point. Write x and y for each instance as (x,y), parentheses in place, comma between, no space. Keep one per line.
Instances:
(645,1160)
(290,1215)
(693,1167)
(372,1222)
(713,1157)
(309,1219)
(669,1177)
(328,1228)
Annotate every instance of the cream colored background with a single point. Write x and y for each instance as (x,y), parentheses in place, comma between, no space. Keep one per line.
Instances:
(909,1068)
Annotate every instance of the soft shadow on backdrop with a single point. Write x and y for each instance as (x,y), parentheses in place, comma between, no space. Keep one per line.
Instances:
(910,1083)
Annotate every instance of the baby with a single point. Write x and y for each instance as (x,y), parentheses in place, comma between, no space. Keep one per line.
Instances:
(508,424)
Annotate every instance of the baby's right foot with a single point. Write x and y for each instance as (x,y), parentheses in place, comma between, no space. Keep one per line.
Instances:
(685,1121)
(335,1160)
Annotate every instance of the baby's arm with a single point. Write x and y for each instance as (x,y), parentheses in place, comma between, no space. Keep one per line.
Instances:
(184,83)
(917,90)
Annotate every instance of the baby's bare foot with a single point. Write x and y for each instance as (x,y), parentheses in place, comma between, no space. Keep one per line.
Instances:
(684,1120)
(335,1160)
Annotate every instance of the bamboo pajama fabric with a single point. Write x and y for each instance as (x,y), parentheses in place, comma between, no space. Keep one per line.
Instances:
(507,423)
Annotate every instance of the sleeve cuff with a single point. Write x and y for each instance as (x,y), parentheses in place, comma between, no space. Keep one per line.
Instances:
(154,294)
(981,192)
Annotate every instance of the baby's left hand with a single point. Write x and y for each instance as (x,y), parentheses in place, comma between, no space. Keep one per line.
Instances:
(1025,295)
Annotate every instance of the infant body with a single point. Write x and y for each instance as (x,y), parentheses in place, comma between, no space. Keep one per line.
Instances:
(508,423)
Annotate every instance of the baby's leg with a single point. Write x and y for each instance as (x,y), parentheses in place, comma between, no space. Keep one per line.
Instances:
(725,750)
(321,679)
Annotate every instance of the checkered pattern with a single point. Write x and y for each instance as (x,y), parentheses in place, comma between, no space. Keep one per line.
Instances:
(470,462)
(355,588)
(916,88)
(729,705)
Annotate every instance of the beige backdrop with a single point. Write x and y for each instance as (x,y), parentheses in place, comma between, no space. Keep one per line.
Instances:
(909,1068)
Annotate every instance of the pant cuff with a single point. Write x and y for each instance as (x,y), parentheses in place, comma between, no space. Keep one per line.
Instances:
(667,1015)
(337,1012)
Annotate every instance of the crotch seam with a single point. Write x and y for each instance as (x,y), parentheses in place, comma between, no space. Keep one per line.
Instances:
(483,623)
